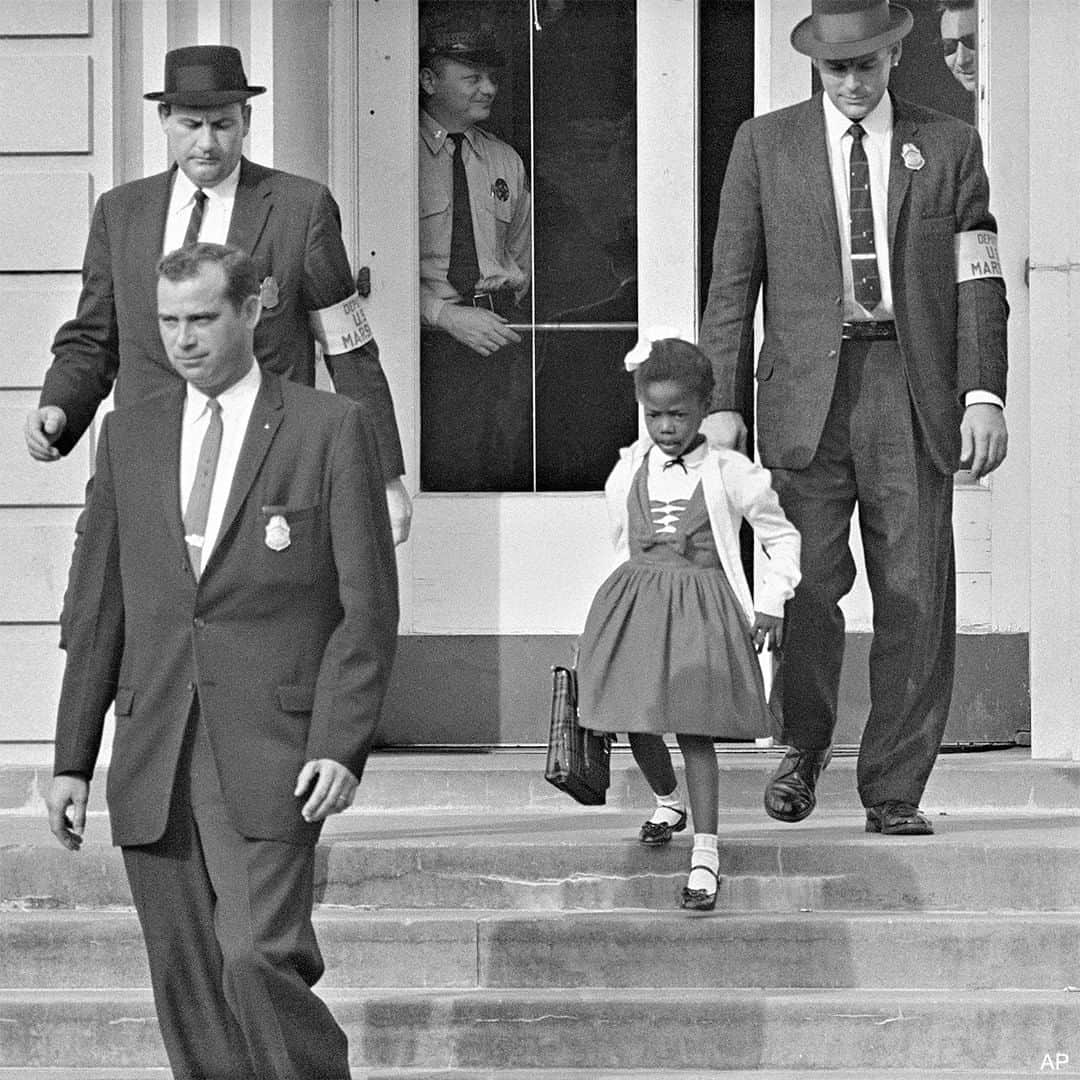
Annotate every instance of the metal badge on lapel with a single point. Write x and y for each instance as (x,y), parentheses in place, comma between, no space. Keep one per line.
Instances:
(277,533)
(912,156)
(501,190)
(268,292)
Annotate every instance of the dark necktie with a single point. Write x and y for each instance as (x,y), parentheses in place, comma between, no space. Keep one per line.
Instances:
(198,505)
(864,268)
(464,270)
(195,221)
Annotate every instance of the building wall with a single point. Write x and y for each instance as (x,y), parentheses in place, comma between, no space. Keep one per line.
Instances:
(56,156)
(73,122)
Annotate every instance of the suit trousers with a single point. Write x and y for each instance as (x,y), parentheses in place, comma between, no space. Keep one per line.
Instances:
(475,416)
(872,456)
(232,951)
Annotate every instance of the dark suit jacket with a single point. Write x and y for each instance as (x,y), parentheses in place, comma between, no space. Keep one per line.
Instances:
(289,651)
(777,230)
(291,228)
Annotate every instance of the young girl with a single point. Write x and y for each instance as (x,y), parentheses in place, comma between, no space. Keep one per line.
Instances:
(669,643)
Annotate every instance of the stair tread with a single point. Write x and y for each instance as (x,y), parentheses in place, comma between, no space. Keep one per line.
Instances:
(68,1073)
(588,827)
(645,917)
(128,996)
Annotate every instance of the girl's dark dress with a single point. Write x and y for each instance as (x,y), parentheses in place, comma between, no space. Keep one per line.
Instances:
(666,645)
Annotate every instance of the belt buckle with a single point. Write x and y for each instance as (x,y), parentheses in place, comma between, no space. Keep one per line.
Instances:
(869,330)
(483,300)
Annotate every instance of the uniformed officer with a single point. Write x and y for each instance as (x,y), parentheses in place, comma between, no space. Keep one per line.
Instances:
(475,257)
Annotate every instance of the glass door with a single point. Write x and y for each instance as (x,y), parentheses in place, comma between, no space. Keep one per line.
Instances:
(538,98)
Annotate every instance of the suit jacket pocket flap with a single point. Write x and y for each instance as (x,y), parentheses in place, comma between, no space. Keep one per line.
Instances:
(125,698)
(299,699)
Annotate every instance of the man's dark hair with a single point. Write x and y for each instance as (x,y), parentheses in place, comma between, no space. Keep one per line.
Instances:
(185,263)
(677,361)
(954,5)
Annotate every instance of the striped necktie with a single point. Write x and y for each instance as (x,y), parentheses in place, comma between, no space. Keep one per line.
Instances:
(864,267)
(198,506)
(195,221)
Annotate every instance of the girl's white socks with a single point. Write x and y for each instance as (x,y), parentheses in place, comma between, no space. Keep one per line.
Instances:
(669,808)
(704,854)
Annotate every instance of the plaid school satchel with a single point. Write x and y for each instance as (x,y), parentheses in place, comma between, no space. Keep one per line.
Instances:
(578,760)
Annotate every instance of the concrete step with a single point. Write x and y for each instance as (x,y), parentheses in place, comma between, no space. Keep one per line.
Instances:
(589,859)
(470,950)
(564,1030)
(1053,1064)
(513,781)
(573,1074)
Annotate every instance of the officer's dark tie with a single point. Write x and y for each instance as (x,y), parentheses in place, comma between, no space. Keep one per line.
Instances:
(198,505)
(864,268)
(464,269)
(195,221)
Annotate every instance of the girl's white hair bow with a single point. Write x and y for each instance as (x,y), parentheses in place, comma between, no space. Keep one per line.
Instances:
(640,352)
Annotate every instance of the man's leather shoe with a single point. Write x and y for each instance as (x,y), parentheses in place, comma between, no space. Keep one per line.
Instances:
(790,794)
(897,819)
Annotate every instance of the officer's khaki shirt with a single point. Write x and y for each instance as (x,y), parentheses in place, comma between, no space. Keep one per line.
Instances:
(498,190)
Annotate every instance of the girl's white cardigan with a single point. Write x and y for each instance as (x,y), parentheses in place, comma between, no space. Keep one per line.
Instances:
(734,488)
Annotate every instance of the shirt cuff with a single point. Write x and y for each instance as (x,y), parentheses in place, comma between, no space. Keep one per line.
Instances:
(982,397)
(430,308)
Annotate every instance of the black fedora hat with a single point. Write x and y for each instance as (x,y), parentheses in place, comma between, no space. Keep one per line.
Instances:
(203,76)
(843,29)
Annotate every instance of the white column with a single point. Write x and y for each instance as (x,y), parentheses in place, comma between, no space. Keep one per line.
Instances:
(155,43)
(667,62)
(259,66)
(208,20)
(1054,124)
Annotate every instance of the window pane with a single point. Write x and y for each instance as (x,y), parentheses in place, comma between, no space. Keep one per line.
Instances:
(544,94)
(585,202)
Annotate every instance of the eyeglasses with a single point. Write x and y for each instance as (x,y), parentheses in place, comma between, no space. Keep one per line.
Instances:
(949,44)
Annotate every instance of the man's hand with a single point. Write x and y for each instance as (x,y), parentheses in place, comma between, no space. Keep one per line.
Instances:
(43,427)
(482,330)
(400,506)
(333,790)
(725,431)
(984,439)
(68,792)
(768,632)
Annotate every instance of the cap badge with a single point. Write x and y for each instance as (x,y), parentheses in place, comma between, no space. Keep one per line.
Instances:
(912,156)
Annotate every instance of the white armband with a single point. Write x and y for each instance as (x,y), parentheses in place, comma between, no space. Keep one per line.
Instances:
(342,327)
(976,255)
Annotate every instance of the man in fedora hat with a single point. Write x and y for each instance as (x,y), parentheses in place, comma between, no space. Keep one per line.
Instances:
(288,224)
(475,256)
(865,220)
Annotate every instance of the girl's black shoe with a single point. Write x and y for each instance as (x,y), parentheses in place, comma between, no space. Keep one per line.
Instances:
(655,833)
(699,899)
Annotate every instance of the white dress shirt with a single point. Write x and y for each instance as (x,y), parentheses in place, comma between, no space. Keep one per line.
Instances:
(217,213)
(877,142)
(236,405)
